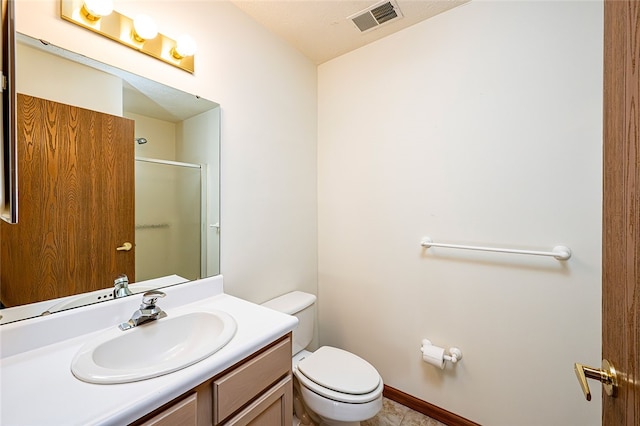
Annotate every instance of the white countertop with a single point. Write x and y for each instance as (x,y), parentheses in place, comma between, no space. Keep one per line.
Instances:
(38,388)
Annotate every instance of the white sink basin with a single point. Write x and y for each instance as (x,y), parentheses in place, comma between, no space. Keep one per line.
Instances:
(153,349)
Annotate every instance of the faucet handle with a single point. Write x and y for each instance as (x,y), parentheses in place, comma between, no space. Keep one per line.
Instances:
(150,297)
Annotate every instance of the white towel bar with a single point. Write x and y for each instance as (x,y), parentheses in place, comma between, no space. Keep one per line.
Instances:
(559,252)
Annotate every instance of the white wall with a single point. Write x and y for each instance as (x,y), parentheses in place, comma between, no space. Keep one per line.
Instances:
(160,134)
(479,126)
(267,93)
(75,84)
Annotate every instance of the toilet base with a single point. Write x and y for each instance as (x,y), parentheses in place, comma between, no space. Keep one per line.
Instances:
(309,417)
(313,420)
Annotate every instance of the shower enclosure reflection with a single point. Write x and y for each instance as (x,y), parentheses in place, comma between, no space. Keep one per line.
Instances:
(176,196)
(169,203)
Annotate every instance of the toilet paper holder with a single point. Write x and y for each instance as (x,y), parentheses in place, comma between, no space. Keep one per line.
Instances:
(437,356)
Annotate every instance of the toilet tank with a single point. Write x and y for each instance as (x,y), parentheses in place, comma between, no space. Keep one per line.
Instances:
(301,305)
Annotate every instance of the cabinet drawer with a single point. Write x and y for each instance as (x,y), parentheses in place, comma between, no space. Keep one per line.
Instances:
(182,413)
(235,389)
(273,408)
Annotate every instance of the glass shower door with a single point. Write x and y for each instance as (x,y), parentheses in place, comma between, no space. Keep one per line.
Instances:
(168,215)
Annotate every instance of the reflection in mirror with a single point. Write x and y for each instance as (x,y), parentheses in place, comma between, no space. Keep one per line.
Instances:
(118,169)
(8,147)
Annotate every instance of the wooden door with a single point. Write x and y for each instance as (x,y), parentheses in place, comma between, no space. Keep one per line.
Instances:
(621,212)
(76,195)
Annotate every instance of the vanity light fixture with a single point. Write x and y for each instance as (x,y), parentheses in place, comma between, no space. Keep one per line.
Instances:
(93,10)
(144,28)
(185,46)
(140,33)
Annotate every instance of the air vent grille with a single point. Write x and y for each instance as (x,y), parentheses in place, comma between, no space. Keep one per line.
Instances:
(376,15)
(384,13)
(365,22)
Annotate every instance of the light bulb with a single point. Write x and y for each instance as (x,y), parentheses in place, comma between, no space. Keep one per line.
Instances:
(185,46)
(96,9)
(144,28)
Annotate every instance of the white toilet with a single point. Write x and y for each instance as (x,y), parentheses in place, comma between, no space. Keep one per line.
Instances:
(336,386)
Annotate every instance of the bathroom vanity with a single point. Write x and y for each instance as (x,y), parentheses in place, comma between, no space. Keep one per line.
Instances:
(257,389)
(246,381)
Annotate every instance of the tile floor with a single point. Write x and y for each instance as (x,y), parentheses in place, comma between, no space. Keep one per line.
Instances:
(394,414)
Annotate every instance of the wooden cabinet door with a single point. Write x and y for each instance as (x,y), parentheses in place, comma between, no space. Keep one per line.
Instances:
(183,413)
(76,203)
(273,408)
(236,388)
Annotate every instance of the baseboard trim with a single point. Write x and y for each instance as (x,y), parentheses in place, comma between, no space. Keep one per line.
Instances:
(426,408)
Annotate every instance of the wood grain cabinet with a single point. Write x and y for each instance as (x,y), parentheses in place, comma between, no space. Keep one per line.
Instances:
(257,391)
(179,413)
(274,407)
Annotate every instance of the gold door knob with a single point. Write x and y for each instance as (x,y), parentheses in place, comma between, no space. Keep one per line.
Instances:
(125,247)
(607,375)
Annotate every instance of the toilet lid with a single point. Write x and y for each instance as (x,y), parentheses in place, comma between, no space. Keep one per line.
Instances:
(340,371)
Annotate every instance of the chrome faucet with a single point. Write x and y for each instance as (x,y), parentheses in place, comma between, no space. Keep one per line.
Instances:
(148,310)
(121,287)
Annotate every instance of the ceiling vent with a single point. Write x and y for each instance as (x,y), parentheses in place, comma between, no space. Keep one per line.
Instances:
(376,15)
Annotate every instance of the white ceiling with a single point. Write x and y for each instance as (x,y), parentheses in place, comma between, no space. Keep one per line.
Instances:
(320,28)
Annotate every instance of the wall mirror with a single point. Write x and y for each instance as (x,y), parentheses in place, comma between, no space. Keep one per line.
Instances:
(114,169)
(8,182)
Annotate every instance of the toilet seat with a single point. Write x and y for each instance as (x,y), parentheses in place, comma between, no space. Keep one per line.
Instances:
(339,375)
